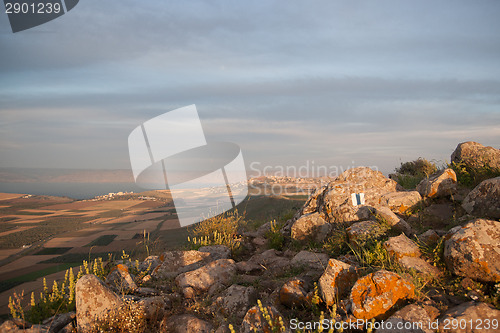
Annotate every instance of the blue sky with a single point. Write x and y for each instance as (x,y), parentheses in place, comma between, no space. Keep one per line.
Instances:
(339,83)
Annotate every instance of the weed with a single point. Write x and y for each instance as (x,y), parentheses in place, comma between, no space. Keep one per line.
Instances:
(275,237)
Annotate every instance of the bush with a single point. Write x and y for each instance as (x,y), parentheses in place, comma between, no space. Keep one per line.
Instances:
(420,167)
(409,174)
(471,176)
(275,237)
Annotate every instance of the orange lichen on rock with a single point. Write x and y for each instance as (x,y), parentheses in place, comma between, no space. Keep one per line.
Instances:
(374,295)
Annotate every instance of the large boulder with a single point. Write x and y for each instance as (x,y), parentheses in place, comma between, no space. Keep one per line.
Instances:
(440,184)
(235,301)
(476,156)
(213,275)
(374,295)
(187,323)
(336,281)
(400,202)
(217,251)
(310,227)
(484,199)
(93,301)
(334,200)
(176,262)
(470,317)
(474,250)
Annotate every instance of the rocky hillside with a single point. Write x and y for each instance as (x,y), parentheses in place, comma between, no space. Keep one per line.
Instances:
(362,255)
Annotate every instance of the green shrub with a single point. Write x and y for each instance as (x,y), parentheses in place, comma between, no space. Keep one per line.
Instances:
(409,174)
(275,237)
(471,176)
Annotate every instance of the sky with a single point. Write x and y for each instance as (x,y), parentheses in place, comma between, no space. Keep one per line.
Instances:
(293,83)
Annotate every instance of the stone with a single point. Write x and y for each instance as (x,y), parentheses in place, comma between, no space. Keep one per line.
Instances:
(401,246)
(400,202)
(429,237)
(93,301)
(476,156)
(254,320)
(202,279)
(247,267)
(484,199)
(386,215)
(176,262)
(336,281)
(334,202)
(187,323)
(217,251)
(270,260)
(360,232)
(150,263)
(474,250)
(58,322)
(293,293)
(438,214)
(440,184)
(412,319)
(310,260)
(374,295)
(235,301)
(471,314)
(120,279)
(153,307)
(310,227)
(419,265)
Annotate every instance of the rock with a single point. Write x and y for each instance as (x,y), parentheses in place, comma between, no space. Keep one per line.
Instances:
(360,232)
(120,279)
(310,260)
(310,227)
(336,281)
(474,250)
(484,199)
(438,214)
(235,301)
(219,272)
(93,301)
(429,237)
(401,246)
(176,262)
(476,156)
(255,322)
(150,263)
(386,215)
(247,267)
(412,319)
(374,295)
(419,265)
(153,307)
(400,202)
(217,251)
(440,184)
(471,314)
(334,200)
(188,323)
(270,260)
(58,322)
(293,293)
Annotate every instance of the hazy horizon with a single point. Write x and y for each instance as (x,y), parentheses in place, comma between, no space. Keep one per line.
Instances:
(376,83)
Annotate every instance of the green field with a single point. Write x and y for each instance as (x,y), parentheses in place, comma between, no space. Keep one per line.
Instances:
(102,240)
